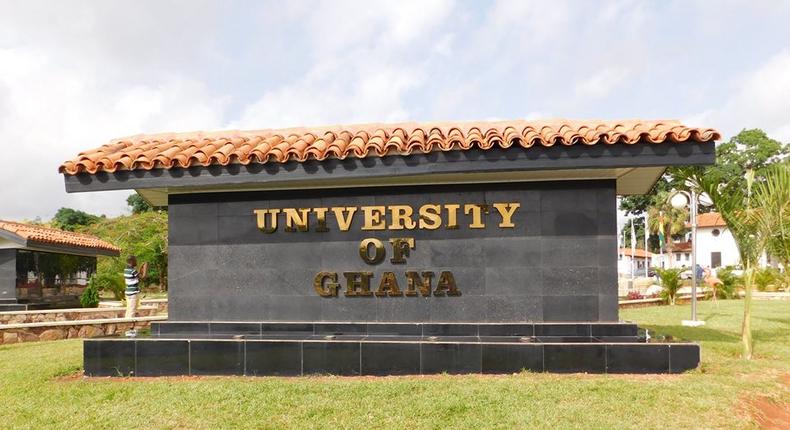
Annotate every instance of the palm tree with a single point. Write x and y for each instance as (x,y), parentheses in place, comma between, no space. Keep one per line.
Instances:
(673,220)
(772,196)
(670,282)
(738,209)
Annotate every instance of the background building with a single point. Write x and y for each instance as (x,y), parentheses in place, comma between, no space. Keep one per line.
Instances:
(45,267)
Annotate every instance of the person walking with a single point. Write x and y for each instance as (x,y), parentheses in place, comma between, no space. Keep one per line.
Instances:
(132,280)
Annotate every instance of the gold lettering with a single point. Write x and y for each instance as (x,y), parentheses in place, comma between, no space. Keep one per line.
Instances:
(400,249)
(446,284)
(506,211)
(320,216)
(261,219)
(373,219)
(400,217)
(323,288)
(388,286)
(358,284)
(477,214)
(452,216)
(344,216)
(413,282)
(430,217)
(296,217)
(364,250)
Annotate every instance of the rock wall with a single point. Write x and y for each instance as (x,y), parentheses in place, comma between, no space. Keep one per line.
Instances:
(24,317)
(16,333)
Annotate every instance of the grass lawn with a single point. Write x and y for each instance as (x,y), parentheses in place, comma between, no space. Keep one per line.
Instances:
(41,387)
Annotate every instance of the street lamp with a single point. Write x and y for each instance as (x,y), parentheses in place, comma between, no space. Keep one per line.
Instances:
(680,200)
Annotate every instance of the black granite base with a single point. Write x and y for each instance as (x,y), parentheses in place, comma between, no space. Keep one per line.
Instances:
(291,349)
(11,305)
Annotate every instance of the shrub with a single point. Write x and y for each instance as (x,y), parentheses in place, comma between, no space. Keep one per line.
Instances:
(763,278)
(112,281)
(143,235)
(670,282)
(730,282)
(90,296)
(634,295)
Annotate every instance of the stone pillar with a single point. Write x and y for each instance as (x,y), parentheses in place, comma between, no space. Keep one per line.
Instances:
(7,276)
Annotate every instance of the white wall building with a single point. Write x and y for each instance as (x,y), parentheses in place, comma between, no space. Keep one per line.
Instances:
(715,244)
(640,260)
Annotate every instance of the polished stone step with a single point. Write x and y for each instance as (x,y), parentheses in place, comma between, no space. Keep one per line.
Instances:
(213,329)
(357,355)
(12,307)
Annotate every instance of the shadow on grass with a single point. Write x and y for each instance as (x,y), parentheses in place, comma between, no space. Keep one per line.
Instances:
(693,333)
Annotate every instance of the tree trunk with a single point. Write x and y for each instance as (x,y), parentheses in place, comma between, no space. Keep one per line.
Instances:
(746,326)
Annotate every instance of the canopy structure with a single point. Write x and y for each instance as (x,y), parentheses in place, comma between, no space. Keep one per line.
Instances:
(35,237)
(634,152)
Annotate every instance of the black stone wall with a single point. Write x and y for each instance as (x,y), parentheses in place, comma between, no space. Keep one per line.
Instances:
(558,264)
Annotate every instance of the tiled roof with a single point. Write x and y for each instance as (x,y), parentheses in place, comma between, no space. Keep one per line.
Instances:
(681,246)
(52,236)
(639,253)
(710,219)
(168,150)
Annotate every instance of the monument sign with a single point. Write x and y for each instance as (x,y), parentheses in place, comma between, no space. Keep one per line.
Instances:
(392,249)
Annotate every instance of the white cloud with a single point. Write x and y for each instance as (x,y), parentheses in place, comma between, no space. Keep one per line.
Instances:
(761,99)
(75,74)
(64,89)
(601,83)
(363,71)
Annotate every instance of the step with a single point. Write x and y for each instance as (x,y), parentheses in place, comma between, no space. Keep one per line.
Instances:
(349,357)
(208,329)
(15,307)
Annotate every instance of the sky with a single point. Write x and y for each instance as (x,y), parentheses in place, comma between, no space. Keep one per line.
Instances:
(75,74)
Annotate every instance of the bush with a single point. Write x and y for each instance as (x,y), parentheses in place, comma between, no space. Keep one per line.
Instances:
(730,282)
(765,278)
(90,296)
(634,295)
(143,235)
(110,280)
(670,282)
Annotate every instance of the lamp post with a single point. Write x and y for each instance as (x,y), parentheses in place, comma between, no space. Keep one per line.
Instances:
(690,199)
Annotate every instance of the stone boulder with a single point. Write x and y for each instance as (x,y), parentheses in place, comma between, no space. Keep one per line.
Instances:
(53,334)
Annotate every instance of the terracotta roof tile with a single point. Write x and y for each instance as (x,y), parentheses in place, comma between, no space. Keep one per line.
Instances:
(52,236)
(710,219)
(168,150)
(640,253)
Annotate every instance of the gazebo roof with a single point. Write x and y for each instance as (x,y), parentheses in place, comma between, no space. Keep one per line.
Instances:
(52,239)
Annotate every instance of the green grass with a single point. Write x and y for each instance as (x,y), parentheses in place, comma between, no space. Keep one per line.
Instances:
(41,387)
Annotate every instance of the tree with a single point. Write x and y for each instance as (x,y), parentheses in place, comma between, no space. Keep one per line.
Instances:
(90,296)
(143,235)
(736,206)
(662,217)
(138,204)
(70,219)
(639,204)
(670,282)
(749,148)
(772,196)
(743,165)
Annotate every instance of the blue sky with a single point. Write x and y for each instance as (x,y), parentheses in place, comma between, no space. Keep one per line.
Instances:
(76,74)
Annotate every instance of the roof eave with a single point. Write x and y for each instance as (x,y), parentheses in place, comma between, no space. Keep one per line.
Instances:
(647,159)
